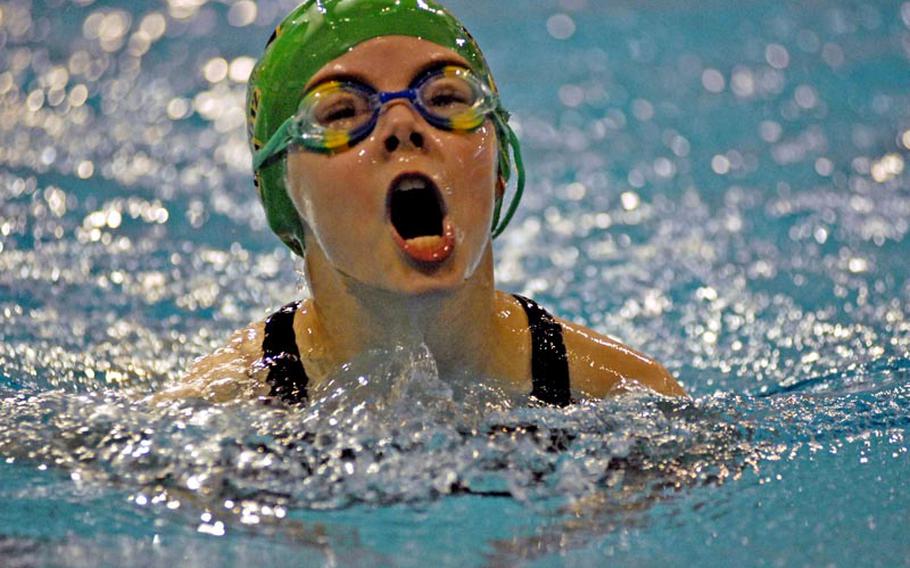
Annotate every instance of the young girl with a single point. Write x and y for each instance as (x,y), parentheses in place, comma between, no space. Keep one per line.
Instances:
(382,154)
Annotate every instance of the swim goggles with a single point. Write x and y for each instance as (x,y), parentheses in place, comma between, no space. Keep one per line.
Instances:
(335,115)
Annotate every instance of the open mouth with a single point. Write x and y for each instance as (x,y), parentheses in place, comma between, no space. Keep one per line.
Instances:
(417,213)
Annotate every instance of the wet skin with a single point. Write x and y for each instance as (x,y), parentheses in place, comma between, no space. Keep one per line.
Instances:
(342,196)
(369,293)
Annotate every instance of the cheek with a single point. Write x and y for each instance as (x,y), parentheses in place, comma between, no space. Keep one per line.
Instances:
(476,167)
(487,156)
(481,150)
(299,180)
(320,187)
(331,196)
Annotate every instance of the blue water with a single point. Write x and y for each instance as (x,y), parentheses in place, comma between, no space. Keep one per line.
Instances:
(720,184)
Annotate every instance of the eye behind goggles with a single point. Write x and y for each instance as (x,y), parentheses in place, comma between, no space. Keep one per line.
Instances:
(335,115)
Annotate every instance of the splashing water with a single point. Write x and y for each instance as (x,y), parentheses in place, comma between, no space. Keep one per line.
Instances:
(397,435)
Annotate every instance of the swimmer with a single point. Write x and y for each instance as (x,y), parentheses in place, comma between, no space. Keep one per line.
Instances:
(382,156)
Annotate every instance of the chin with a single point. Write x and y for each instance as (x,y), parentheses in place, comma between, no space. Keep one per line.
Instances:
(393,272)
(428,280)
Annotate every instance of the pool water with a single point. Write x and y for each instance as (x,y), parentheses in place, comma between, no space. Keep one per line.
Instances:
(723,185)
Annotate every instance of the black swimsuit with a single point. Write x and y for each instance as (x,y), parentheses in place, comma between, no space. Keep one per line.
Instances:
(549,364)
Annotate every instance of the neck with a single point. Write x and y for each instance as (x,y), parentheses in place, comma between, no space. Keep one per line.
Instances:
(455,325)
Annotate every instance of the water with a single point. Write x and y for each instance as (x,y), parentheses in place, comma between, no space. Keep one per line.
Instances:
(723,186)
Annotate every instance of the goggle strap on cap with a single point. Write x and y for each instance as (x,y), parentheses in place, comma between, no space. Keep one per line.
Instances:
(277,144)
(499,225)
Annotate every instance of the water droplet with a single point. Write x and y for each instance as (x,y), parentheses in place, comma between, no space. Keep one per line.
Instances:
(561,26)
(215,70)
(777,56)
(713,80)
(857,265)
(630,200)
(240,68)
(242,13)
(720,164)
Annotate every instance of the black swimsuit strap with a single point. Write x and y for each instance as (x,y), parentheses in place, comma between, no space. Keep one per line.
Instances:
(549,362)
(287,376)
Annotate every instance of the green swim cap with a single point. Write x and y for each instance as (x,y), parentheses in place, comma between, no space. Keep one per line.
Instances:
(314,34)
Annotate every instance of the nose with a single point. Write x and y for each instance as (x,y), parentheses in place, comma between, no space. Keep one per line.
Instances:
(393,142)
(401,127)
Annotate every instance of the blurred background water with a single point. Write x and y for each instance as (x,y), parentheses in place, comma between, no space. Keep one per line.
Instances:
(720,184)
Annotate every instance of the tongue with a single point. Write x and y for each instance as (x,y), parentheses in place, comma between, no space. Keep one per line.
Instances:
(428,249)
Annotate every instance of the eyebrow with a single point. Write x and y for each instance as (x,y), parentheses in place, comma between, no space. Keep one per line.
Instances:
(439,64)
(355,77)
(344,76)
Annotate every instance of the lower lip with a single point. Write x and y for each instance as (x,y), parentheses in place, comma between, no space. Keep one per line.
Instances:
(428,250)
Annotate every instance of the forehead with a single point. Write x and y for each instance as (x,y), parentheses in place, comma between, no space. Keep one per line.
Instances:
(387,60)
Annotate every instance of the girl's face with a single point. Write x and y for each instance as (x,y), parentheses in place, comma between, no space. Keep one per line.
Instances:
(407,209)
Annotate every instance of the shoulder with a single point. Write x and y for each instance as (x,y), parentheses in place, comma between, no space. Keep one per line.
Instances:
(511,359)
(224,375)
(600,365)
(236,370)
